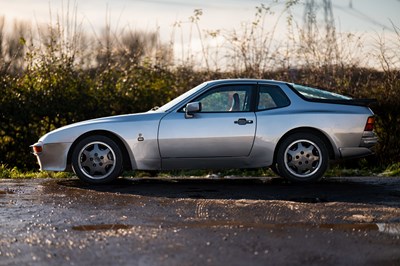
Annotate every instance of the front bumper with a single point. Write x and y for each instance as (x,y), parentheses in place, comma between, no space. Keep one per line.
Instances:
(51,156)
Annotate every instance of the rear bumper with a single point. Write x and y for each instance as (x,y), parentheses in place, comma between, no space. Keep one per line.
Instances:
(355,152)
(368,141)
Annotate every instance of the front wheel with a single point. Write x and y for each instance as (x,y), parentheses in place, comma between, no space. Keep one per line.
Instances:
(97,160)
(302,157)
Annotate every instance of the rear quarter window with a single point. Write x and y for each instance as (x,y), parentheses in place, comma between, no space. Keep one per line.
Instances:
(271,97)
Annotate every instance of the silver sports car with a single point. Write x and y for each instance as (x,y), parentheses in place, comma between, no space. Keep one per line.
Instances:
(234,123)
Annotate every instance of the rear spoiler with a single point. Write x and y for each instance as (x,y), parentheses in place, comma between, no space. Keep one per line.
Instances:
(364,102)
(358,102)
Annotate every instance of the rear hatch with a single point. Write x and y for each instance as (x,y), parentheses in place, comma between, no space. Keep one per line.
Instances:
(318,95)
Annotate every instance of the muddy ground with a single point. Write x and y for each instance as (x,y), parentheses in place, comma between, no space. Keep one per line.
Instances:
(229,221)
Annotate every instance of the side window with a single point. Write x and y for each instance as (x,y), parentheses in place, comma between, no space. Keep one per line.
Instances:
(226,99)
(271,97)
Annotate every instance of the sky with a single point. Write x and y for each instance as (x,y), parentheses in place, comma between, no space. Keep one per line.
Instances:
(367,17)
(352,15)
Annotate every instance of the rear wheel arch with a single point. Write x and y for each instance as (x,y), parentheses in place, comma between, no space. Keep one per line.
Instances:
(312,131)
(302,157)
(127,165)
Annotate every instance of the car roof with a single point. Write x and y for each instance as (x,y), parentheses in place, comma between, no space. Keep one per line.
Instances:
(244,80)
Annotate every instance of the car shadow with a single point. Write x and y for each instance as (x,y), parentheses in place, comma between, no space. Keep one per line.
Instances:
(327,190)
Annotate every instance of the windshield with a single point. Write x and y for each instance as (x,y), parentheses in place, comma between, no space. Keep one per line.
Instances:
(180,98)
(312,93)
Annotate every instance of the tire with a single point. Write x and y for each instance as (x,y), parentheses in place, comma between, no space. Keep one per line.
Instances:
(97,160)
(302,158)
(274,168)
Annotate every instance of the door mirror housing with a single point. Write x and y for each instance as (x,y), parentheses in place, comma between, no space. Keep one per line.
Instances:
(192,108)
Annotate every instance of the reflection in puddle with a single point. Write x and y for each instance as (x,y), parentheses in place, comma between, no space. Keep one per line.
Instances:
(392,229)
(371,227)
(309,200)
(97,227)
(6,191)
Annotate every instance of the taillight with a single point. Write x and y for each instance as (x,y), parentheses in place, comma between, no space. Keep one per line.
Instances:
(370,124)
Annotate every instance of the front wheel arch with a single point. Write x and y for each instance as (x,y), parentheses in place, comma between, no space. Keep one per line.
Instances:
(97,159)
(125,154)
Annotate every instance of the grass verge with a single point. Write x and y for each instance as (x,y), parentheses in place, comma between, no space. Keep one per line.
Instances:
(14,173)
(336,171)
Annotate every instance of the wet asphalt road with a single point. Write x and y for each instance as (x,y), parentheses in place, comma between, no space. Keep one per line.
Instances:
(253,221)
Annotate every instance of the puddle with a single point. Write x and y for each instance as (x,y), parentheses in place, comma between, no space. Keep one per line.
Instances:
(101,227)
(201,190)
(349,226)
(386,228)
(6,191)
(392,229)
(309,200)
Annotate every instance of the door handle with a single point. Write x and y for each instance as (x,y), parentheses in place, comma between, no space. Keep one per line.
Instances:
(243,121)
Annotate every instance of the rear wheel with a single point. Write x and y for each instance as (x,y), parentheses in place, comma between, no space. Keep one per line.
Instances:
(97,160)
(302,157)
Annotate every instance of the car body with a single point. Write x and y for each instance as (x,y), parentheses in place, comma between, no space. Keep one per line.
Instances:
(232,123)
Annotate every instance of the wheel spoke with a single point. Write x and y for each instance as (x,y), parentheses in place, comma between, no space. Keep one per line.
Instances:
(87,154)
(92,171)
(96,149)
(107,162)
(104,152)
(102,170)
(86,163)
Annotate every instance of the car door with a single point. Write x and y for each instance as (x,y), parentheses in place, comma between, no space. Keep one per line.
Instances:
(225,126)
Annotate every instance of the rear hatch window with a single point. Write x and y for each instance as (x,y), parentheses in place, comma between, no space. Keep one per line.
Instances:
(323,96)
(313,93)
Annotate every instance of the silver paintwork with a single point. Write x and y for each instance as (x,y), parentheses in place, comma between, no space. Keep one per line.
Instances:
(170,139)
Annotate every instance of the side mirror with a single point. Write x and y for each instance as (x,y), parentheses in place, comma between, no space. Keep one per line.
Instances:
(192,108)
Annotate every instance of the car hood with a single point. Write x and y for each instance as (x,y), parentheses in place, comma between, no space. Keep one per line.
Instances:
(112,123)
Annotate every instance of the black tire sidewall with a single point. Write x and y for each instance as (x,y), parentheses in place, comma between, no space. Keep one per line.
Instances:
(118,159)
(280,159)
